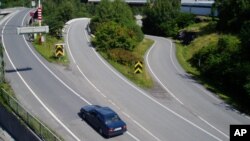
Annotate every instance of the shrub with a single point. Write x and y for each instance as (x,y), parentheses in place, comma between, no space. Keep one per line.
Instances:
(123,56)
(112,35)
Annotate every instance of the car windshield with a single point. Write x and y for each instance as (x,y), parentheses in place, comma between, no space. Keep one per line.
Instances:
(111,118)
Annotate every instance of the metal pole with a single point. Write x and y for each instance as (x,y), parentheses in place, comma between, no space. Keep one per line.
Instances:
(39,6)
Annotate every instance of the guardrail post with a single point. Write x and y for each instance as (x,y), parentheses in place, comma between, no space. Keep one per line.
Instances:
(27,116)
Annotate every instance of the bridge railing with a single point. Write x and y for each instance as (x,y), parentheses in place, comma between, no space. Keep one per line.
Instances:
(32,122)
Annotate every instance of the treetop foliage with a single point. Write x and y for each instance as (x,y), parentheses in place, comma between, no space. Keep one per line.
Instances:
(163,17)
(227,63)
(233,14)
(114,26)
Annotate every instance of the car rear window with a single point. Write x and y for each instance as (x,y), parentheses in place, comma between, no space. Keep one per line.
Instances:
(111,118)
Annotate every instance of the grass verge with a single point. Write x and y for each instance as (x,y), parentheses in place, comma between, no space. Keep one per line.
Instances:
(185,53)
(143,79)
(47,50)
(206,36)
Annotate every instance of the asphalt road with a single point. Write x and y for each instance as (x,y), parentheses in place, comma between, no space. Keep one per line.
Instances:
(179,110)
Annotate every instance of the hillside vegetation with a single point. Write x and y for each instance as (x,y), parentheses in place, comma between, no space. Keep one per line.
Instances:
(219,55)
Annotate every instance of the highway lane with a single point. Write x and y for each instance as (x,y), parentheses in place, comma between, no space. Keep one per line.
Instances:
(211,110)
(168,121)
(95,82)
(42,88)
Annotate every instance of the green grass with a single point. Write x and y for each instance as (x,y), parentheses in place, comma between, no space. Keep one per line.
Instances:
(206,35)
(143,79)
(197,27)
(185,53)
(47,50)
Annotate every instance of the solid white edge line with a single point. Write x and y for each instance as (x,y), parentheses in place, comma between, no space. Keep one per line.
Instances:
(33,93)
(158,78)
(135,138)
(213,127)
(171,58)
(176,114)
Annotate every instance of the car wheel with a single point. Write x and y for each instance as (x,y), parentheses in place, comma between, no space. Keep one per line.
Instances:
(100,131)
(83,116)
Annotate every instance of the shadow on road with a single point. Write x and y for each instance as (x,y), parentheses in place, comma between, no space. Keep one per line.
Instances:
(18,70)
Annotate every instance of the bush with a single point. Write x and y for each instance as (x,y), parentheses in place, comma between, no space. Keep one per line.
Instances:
(160,18)
(112,35)
(185,19)
(123,57)
(119,12)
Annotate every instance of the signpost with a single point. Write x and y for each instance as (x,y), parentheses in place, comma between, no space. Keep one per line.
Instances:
(138,67)
(32,29)
(59,51)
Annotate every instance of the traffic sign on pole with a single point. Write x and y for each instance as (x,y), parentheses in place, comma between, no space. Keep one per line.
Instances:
(32,29)
(138,67)
(59,51)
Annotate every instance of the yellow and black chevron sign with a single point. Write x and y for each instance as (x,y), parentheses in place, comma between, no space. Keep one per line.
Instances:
(59,50)
(138,67)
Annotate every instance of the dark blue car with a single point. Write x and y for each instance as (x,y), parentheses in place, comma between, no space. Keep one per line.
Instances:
(104,120)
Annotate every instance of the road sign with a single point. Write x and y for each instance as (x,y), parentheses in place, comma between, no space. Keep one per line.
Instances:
(39,10)
(138,67)
(59,51)
(32,29)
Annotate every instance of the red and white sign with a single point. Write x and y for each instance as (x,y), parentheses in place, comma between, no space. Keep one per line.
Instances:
(39,12)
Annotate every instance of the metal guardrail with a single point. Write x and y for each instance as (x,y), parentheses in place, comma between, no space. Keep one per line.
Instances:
(38,127)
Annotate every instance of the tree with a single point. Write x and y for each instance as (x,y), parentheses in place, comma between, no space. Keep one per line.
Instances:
(161,17)
(232,14)
(119,13)
(113,35)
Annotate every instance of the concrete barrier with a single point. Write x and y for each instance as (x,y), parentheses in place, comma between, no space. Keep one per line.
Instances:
(15,128)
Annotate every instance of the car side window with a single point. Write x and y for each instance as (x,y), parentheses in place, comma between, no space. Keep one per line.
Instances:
(99,117)
(93,113)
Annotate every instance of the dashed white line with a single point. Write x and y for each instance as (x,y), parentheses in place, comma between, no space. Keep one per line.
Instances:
(90,81)
(135,138)
(110,101)
(33,93)
(127,115)
(143,93)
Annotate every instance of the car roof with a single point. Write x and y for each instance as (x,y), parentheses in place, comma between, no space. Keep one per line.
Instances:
(105,111)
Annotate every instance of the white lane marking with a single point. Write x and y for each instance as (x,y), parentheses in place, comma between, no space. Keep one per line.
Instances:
(135,138)
(158,78)
(138,124)
(33,93)
(90,82)
(143,93)
(127,115)
(180,72)
(171,56)
(66,84)
(213,127)
(147,56)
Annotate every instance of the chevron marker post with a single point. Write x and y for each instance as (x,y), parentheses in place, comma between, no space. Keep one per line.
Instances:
(138,67)
(59,51)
